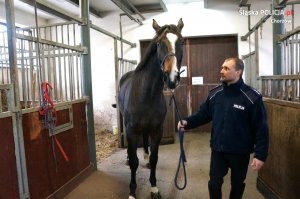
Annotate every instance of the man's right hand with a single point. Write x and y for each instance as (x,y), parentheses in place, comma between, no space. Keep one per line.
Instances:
(181,125)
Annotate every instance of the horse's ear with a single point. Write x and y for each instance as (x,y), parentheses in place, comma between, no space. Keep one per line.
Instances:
(180,24)
(155,26)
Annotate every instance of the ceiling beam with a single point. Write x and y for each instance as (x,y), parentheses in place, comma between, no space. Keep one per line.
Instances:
(92,10)
(54,10)
(148,8)
(163,5)
(135,10)
(127,10)
(124,7)
(206,4)
(243,3)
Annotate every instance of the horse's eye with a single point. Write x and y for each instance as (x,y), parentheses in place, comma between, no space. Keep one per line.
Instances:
(158,44)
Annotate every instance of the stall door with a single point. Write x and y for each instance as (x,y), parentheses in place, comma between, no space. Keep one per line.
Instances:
(205,57)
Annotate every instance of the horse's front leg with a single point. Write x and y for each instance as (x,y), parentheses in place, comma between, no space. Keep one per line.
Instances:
(155,140)
(133,163)
(146,150)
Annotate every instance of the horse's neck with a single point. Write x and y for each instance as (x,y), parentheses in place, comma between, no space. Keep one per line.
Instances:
(151,82)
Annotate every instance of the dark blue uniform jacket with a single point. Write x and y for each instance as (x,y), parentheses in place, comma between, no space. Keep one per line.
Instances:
(239,121)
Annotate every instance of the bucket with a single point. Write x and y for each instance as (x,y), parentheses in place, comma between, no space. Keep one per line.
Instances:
(115,130)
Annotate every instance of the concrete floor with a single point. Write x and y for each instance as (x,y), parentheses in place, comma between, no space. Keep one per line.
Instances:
(111,181)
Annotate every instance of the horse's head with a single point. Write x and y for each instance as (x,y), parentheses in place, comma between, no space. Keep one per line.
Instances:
(169,50)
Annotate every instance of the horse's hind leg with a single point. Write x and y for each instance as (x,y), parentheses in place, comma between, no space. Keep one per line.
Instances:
(155,140)
(133,162)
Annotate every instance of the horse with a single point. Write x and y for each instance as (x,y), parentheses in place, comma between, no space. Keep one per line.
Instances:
(141,100)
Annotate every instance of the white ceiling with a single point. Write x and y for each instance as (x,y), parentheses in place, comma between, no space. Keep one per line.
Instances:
(103,7)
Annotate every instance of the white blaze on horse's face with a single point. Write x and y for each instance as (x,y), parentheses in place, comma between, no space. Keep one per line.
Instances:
(174,71)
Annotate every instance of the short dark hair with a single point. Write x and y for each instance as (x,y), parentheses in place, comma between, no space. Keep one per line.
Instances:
(239,64)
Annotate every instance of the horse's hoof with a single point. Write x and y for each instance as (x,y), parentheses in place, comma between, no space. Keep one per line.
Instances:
(131,197)
(155,195)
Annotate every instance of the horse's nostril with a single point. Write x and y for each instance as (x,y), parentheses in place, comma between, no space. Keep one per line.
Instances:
(172,86)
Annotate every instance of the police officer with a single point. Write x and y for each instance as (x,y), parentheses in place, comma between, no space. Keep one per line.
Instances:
(239,128)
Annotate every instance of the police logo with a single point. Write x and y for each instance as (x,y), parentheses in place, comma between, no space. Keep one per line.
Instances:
(238,107)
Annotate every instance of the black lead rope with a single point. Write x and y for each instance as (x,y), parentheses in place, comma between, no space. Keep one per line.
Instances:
(182,158)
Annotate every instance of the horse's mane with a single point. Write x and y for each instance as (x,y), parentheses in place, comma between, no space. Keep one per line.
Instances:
(150,51)
(152,46)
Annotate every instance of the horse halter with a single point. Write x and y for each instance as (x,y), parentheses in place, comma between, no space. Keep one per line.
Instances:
(163,62)
(165,73)
(164,59)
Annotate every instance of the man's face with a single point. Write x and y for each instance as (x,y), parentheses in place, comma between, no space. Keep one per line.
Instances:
(228,72)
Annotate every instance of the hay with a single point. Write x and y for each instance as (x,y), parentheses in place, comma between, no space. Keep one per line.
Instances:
(4,105)
(106,144)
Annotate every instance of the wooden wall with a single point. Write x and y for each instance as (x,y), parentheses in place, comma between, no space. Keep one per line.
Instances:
(8,169)
(169,123)
(280,176)
(47,178)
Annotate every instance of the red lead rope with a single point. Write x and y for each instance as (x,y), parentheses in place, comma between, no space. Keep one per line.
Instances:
(50,115)
(46,101)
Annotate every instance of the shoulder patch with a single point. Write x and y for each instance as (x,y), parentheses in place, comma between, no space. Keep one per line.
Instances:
(214,91)
(251,93)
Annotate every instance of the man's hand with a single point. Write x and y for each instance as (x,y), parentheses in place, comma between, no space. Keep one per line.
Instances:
(256,164)
(181,125)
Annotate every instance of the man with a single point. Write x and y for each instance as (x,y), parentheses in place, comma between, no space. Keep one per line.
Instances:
(239,127)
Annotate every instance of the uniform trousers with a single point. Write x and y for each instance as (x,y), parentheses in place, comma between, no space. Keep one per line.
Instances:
(220,163)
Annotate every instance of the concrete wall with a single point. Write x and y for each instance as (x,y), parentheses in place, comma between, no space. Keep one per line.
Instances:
(22,18)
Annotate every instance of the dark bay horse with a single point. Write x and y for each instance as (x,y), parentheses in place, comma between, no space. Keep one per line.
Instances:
(141,99)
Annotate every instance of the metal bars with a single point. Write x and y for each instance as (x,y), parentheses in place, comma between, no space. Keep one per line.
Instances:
(284,87)
(59,62)
(291,54)
(287,85)
(125,66)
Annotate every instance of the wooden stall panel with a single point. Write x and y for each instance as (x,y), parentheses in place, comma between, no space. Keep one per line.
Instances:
(181,99)
(206,55)
(81,141)
(47,168)
(280,175)
(199,94)
(168,128)
(8,170)
(38,156)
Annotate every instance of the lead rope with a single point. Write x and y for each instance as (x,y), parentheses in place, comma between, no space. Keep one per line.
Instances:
(46,103)
(182,157)
(50,120)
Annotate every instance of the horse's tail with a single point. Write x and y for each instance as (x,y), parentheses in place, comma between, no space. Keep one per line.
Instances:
(122,80)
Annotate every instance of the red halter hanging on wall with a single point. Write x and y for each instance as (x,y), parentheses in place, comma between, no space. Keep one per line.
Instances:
(50,117)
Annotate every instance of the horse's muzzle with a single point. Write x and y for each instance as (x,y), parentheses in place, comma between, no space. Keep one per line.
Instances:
(171,84)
